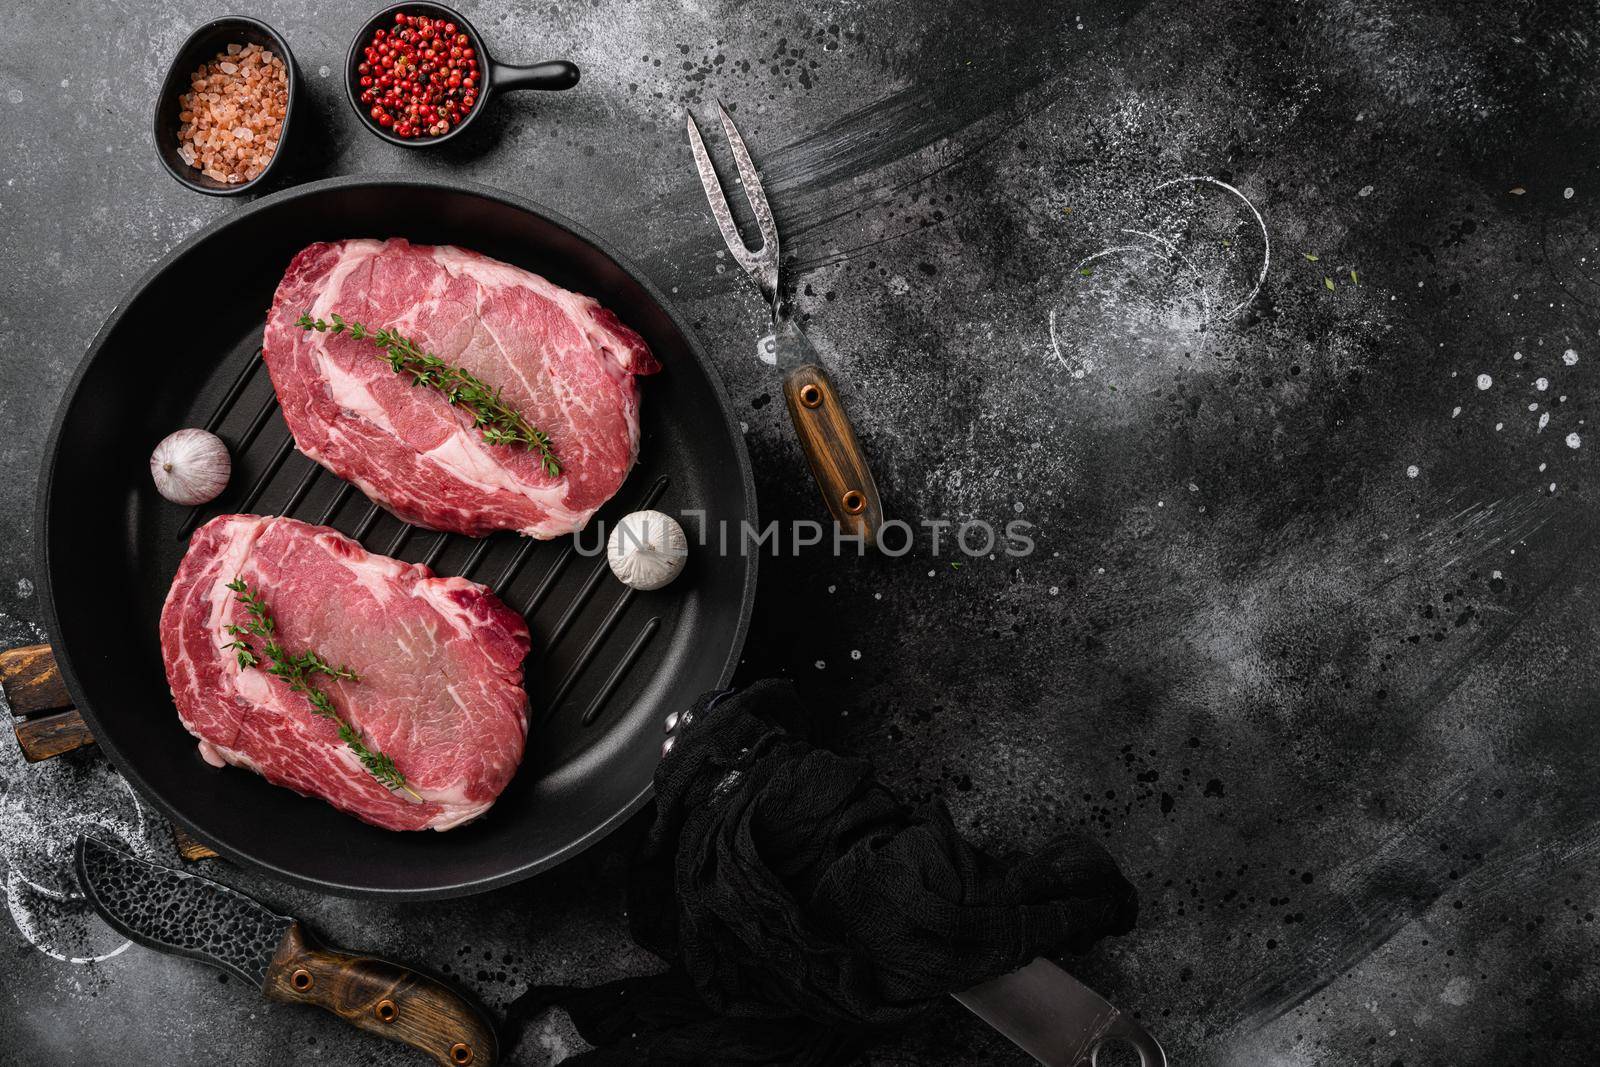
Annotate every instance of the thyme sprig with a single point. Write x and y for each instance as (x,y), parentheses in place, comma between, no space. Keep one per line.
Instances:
(299,670)
(501,424)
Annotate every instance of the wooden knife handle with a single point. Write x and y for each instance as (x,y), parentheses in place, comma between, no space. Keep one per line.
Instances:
(47,724)
(831,448)
(381,998)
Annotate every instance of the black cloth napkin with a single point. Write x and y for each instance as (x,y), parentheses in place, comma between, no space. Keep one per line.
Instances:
(805,910)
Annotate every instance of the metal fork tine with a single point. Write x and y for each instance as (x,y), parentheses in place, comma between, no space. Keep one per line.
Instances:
(752,188)
(719,203)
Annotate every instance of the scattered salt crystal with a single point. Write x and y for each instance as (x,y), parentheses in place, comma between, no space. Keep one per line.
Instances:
(1413,470)
(1484,381)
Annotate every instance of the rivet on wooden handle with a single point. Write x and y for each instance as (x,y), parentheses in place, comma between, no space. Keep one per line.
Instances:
(833,453)
(381,998)
(33,687)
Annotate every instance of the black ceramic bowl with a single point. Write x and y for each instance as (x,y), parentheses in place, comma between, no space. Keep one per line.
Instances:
(204,44)
(496,78)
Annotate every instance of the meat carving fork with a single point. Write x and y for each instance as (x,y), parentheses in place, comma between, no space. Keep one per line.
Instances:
(826,436)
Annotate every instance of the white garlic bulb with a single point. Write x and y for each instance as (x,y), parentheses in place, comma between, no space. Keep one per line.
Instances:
(647,549)
(190,466)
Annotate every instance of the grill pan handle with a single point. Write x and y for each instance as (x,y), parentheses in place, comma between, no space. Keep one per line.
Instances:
(45,722)
(47,725)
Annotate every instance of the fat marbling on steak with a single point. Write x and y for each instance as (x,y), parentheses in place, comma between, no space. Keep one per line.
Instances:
(565,363)
(438,664)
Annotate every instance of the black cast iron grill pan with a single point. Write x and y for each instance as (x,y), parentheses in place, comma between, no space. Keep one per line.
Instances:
(608,663)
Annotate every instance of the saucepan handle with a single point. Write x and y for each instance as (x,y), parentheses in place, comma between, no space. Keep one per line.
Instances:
(45,722)
(555,74)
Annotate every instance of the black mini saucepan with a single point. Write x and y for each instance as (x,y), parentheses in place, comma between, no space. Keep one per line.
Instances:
(496,77)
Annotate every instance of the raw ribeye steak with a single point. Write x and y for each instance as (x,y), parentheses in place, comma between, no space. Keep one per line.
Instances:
(438,664)
(565,364)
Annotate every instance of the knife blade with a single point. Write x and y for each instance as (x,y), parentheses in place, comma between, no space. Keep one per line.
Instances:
(1057,1019)
(185,914)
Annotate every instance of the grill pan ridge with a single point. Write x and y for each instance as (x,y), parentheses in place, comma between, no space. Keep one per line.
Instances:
(277,473)
(608,662)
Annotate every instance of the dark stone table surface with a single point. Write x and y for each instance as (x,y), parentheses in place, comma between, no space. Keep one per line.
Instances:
(1277,321)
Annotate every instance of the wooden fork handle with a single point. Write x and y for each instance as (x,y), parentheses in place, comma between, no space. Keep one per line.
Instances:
(833,453)
(381,998)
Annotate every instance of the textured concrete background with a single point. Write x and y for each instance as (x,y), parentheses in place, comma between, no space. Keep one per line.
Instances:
(1306,638)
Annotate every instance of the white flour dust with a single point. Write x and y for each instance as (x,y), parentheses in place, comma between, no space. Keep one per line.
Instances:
(43,808)
(1173,275)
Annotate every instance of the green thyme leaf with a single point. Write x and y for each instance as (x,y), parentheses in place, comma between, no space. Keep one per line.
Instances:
(298,669)
(500,423)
